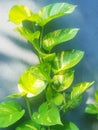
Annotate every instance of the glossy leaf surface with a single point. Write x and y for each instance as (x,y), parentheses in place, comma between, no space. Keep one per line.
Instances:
(10,112)
(53,11)
(66,126)
(47,115)
(34,80)
(63,80)
(80,88)
(58,36)
(66,60)
(92,108)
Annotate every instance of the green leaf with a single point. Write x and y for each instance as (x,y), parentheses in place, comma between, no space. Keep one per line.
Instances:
(58,36)
(63,80)
(80,88)
(96,96)
(54,97)
(10,112)
(66,60)
(19,13)
(66,126)
(53,11)
(92,108)
(28,125)
(27,34)
(34,80)
(47,115)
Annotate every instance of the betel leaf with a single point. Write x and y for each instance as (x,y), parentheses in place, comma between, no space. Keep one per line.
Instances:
(63,80)
(53,11)
(19,13)
(28,125)
(66,126)
(66,60)
(26,33)
(10,112)
(80,88)
(92,108)
(47,115)
(58,36)
(34,80)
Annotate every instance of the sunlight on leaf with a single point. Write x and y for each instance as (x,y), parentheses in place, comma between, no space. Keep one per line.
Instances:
(63,80)
(66,60)
(58,36)
(53,11)
(34,80)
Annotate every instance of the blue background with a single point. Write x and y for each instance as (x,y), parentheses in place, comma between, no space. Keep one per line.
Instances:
(16,54)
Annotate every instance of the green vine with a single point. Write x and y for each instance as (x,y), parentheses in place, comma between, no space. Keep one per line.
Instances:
(53,76)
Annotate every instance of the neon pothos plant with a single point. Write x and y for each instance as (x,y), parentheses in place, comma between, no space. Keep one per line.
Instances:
(53,75)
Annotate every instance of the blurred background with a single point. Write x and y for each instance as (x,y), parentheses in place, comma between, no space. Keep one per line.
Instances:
(16,54)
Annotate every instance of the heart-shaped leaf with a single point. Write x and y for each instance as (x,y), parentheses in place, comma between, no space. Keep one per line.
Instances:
(10,112)
(34,80)
(47,115)
(92,108)
(63,80)
(19,13)
(58,36)
(66,60)
(53,11)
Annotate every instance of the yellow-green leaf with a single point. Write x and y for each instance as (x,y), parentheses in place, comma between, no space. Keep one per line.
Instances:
(80,88)
(19,13)
(54,38)
(63,80)
(34,80)
(66,60)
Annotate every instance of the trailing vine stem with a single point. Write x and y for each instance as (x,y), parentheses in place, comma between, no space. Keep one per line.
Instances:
(28,106)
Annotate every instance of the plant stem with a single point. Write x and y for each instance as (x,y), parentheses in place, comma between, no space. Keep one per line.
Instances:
(41,36)
(28,107)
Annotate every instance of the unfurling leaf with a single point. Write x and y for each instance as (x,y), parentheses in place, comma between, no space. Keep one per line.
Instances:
(66,60)
(34,80)
(53,11)
(63,80)
(92,108)
(10,112)
(47,115)
(54,38)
